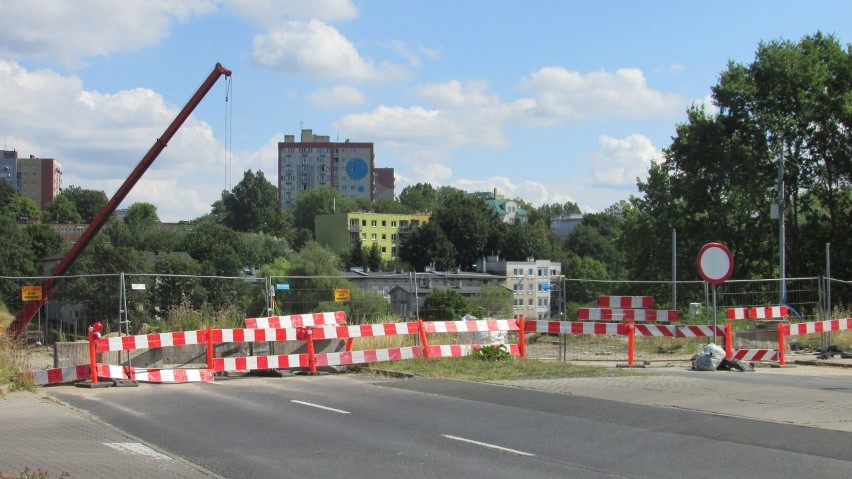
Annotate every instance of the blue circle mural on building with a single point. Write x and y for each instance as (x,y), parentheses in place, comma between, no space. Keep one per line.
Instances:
(357,169)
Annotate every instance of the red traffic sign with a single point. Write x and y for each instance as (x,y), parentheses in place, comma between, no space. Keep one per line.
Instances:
(715,263)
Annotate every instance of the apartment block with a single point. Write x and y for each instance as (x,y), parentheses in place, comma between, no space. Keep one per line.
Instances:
(316,161)
(531,282)
(38,179)
(340,231)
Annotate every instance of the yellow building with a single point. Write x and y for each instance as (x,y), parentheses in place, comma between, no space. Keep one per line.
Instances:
(340,231)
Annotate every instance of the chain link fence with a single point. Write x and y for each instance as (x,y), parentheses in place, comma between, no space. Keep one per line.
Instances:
(142,303)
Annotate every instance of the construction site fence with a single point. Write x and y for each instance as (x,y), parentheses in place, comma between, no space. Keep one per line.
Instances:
(433,339)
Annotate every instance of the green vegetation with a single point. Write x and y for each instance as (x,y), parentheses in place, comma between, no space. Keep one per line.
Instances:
(473,369)
(27,473)
(786,112)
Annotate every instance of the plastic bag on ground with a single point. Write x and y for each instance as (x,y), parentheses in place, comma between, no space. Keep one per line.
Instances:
(709,358)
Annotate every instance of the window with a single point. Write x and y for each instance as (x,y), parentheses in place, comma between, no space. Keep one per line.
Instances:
(373,224)
(384,250)
(373,237)
(384,236)
(530,289)
(393,237)
(393,224)
(384,223)
(393,250)
(363,222)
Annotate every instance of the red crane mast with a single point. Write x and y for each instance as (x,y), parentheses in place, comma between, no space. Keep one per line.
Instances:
(48,285)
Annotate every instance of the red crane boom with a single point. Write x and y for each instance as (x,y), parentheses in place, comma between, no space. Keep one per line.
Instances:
(48,285)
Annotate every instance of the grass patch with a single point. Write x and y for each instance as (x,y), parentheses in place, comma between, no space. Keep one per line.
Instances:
(14,362)
(473,369)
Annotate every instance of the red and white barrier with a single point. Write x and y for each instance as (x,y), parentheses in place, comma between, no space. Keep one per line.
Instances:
(250,363)
(61,375)
(831,325)
(565,327)
(626,302)
(756,354)
(297,320)
(149,341)
(644,315)
(758,312)
(691,331)
(368,356)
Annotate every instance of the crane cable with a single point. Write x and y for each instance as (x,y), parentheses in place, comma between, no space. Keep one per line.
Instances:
(228,132)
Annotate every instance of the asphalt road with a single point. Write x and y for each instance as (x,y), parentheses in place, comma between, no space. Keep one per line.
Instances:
(355,426)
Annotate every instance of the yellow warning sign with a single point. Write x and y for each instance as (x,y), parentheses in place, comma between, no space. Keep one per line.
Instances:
(31,293)
(341,295)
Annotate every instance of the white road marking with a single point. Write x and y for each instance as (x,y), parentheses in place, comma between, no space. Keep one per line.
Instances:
(489,446)
(339,411)
(137,448)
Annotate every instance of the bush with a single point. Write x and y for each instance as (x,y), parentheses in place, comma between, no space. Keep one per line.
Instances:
(492,353)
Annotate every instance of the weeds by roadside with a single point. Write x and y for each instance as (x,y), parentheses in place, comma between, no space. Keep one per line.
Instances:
(27,473)
(13,363)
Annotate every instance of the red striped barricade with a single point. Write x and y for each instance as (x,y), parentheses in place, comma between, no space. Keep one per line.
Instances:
(758,313)
(643,315)
(626,302)
(830,325)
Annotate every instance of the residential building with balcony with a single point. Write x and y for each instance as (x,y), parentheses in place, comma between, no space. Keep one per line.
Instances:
(316,161)
(340,231)
(531,282)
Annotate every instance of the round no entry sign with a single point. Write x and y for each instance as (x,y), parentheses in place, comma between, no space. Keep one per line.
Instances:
(715,263)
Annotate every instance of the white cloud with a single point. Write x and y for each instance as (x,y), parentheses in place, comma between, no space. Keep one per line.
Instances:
(270,13)
(337,96)
(99,138)
(622,160)
(531,191)
(562,94)
(316,49)
(68,32)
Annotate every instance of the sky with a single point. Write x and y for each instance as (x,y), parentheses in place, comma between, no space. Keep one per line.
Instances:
(545,100)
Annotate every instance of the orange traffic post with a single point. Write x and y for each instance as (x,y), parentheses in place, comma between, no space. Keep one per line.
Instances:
(782,346)
(729,340)
(312,359)
(92,357)
(522,338)
(424,343)
(209,348)
(631,343)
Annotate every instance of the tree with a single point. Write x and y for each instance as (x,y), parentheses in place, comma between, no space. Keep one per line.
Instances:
(493,301)
(419,197)
(44,241)
(16,259)
(178,283)
(88,203)
(544,212)
(62,210)
(444,305)
(141,217)
(374,257)
(524,240)
(22,209)
(7,192)
(427,245)
(314,274)
(596,238)
(318,201)
(470,225)
(252,205)
(789,107)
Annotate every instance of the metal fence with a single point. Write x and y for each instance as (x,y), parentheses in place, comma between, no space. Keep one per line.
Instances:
(140,303)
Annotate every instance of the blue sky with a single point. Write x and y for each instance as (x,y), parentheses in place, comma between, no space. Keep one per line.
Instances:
(549,101)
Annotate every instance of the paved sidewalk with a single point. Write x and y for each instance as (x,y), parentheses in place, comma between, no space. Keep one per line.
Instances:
(38,432)
(718,393)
